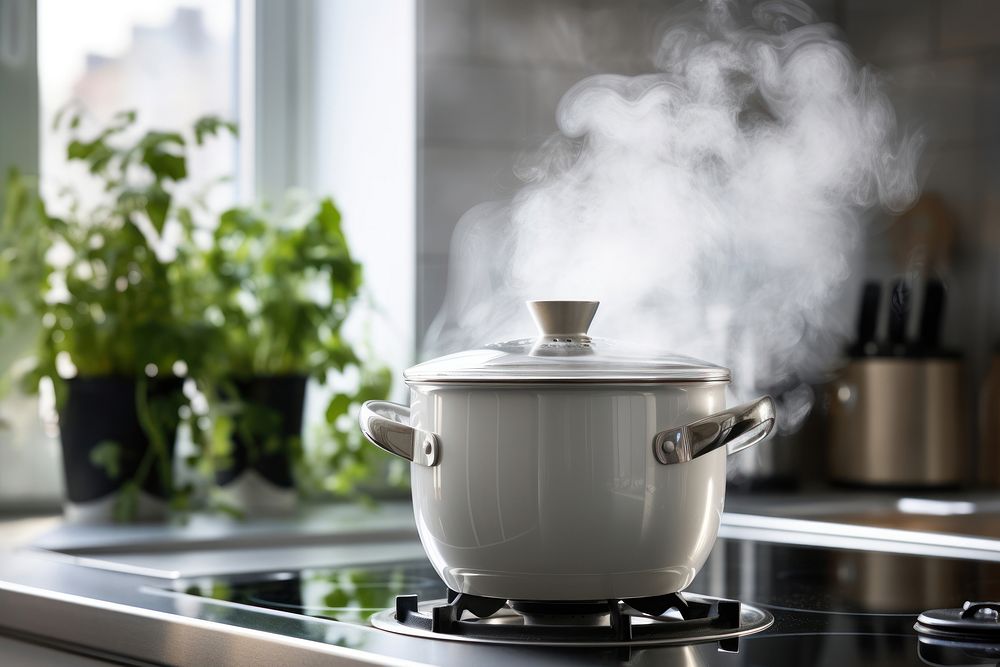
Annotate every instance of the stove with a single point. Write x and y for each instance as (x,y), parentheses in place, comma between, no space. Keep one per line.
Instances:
(754,603)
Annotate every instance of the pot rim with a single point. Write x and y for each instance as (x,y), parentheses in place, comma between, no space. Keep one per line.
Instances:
(552,382)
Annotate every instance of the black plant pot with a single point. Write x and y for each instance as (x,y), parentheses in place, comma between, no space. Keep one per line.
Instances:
(100,410)
(268,428)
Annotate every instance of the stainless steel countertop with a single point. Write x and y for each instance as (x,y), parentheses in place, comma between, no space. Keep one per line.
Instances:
(53,597)
(106,589)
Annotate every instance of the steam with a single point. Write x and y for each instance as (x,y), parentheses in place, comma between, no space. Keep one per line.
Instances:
(713,207)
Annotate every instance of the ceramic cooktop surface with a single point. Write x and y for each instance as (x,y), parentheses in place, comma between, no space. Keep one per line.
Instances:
(831,607)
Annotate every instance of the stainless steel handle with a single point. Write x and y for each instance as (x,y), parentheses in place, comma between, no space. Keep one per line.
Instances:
(736,428)
(386,425)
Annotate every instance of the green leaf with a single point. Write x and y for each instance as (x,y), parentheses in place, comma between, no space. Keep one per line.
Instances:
(159,153)
(59,115)
(127,503)
(156,138)
(154,201)
(211,125)
(97,154)
(72,109)
(165,165)
(107,456)
(157,206)
(185,217)
(338,406)
(81,150)
(336,599)
(329,219)
(221,441)
(375,384)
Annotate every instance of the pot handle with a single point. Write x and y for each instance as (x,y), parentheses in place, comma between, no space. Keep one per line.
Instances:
(736,428)
(386,425)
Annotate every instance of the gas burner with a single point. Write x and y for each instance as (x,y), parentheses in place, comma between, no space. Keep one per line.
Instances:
(653,621)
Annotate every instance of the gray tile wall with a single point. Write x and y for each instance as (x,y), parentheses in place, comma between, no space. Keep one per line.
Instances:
(19,86)
(490,73)
(942,59)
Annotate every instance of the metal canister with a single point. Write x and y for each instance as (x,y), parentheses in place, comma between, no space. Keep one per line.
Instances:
(897,421)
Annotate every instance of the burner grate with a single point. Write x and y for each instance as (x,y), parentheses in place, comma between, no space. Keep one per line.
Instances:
(665,619)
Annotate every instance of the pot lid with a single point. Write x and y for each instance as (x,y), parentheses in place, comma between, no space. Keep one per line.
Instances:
(563,352)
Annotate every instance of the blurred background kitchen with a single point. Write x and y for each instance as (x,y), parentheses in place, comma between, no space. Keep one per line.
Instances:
(407,114)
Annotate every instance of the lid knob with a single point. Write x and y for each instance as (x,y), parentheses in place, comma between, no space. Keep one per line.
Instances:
(566,318)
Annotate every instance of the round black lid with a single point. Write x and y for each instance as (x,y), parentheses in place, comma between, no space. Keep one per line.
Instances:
(975,621)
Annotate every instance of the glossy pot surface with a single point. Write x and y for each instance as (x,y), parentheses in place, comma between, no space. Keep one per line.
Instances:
(554,493)
(567,490)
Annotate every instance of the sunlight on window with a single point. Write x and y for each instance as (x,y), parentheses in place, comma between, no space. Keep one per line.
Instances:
(170,60)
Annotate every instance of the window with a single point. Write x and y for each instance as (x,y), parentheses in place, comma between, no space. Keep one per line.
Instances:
(169,60)
(324,93)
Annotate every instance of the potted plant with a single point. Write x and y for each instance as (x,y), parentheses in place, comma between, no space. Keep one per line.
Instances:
(115,337)
(341,463)
(146,318)
(282,283)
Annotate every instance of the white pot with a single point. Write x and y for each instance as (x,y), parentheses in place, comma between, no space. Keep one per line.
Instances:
(562,468)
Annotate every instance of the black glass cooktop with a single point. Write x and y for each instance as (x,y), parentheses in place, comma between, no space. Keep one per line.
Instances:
(831,607)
